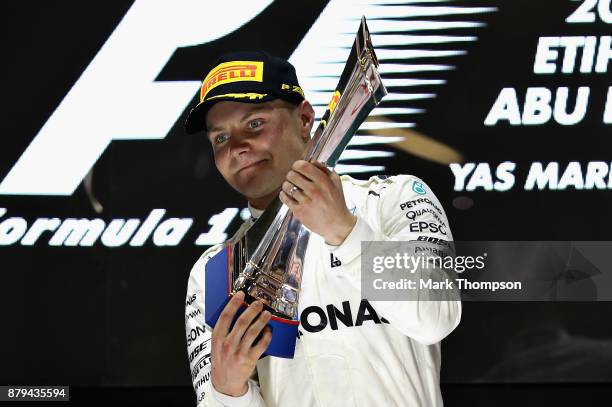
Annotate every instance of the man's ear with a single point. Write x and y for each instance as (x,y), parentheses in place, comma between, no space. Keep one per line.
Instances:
(307,116)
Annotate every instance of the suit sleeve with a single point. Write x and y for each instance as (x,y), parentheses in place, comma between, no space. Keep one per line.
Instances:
(384,217)
(199,345)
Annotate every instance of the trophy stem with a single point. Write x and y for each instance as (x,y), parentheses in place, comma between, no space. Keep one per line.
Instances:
(269,259)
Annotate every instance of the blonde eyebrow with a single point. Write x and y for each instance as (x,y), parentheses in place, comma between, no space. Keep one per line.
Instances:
(213,129)
(255,109)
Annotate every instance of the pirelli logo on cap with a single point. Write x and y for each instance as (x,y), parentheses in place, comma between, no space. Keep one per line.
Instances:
(233,71)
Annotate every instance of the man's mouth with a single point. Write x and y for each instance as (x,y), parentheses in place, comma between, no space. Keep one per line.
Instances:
(253,164)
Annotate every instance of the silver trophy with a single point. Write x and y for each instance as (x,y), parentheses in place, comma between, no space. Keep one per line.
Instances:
(268,261)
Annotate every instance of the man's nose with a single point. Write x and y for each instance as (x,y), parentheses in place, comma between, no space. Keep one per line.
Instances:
(240,142)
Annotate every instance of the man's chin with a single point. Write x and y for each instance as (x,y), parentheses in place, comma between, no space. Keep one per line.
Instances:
(261,194)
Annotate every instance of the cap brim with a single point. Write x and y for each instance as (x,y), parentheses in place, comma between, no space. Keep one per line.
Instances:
(196,120)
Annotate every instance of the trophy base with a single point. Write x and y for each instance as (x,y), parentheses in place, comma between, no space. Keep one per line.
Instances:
(218,292)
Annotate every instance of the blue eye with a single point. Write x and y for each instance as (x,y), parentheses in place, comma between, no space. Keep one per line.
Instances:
(253,124)
(221,138)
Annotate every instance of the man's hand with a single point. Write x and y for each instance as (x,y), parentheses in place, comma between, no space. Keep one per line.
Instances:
(233,355)
(314,195)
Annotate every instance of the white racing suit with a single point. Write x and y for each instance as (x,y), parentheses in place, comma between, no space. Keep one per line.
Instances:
(350,351)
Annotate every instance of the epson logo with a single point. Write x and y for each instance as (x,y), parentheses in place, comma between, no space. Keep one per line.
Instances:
(427,227)
(194,334)
(120,81)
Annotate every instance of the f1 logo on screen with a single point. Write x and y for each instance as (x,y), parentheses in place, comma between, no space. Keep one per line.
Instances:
(118,98)
(91,115)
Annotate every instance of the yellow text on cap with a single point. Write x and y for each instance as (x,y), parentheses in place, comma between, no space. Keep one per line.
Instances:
(233,71)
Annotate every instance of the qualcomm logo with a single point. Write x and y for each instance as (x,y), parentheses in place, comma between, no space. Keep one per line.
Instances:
(117,98)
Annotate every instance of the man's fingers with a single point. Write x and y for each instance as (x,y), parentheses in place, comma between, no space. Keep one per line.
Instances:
(257,350)
(321,166)
(227,315)
(311,171)
(287,200)
(300,181)
(243,322)
(294,193)
(254,330)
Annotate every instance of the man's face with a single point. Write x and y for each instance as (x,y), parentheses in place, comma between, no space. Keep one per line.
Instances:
(255,144)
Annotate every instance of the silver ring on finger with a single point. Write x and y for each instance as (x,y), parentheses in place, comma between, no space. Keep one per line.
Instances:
(292,191)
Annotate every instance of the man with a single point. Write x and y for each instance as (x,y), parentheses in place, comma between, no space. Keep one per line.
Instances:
(350,351)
